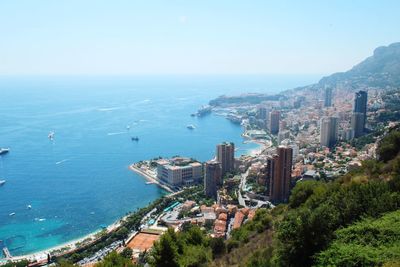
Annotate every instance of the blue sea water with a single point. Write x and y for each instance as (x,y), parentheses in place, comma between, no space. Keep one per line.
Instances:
(80,180)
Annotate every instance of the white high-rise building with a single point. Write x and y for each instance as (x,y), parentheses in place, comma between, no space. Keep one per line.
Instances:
(328,131)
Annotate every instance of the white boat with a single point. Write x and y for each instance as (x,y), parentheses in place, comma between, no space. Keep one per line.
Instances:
(2,182)
(51,135)
(191,127)
(12,214)
(4,150)
(28,207)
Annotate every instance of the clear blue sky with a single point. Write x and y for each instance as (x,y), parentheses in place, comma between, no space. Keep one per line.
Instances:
(203,37)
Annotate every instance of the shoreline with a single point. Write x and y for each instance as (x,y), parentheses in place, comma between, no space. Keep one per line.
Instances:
(149,178)
(65,248)
(71,246)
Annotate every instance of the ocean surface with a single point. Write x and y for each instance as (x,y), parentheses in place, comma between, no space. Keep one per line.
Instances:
(80,181)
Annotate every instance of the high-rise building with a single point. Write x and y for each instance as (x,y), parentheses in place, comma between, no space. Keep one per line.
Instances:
(212,177)
(328,131)
(328,97)
(282,135)
(262,113)
(226,156)
(280,174)
(360,104)
(357,124)
(274,118)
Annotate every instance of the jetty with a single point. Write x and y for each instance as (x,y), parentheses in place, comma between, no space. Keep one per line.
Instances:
(7,253)
(150,178)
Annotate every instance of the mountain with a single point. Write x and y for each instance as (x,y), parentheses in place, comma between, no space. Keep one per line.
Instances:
(379,71)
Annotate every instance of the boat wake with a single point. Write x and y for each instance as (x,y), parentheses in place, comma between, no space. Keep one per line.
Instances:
(40,219)
(61,161)
(108,109)
(117,133)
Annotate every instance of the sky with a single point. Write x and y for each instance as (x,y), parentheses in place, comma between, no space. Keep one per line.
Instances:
(91,37)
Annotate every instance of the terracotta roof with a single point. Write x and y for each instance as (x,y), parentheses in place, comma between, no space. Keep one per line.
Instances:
(239,216)
(223,217)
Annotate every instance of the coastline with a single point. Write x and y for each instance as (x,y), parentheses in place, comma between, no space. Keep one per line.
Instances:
(71,246)
(149,178)
(67,247)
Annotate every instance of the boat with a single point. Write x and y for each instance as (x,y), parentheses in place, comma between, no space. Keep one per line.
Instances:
(2,182)
(4,150)
(51,135)
(128,127)
(191,127)
(135,138)
(29,207)
(12,214)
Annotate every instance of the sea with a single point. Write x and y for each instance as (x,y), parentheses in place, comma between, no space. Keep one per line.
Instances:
(79,182)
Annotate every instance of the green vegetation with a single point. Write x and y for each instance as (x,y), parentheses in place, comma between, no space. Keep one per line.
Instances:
(192,247)
(132,222)
(352,221)
(389,147)
(187,248)
(22,263)
(370,242)
(309,228)
(338,223)
(261,222)
(115,260)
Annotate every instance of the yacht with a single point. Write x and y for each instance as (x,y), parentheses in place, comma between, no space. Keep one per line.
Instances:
(2,182)
(191,127)
(51,135)
(135,138)
(4,150)
(29,207)
(12,214)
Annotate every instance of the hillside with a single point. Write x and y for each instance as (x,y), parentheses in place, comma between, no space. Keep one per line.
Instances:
(324,224)
(380,71)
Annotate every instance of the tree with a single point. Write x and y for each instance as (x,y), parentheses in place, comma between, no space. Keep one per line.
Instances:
(366,243)
(217,246)
(165,251)
(389,146)
(115,260)
(127,253)
(302,191)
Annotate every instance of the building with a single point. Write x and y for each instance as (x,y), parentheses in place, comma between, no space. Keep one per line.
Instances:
(179,171)
(328,131)
(212,178)
(262,113)
(360,105)
(328,97)
(274,118)
(280,174)
(282,135)
(357,124)
(226,156)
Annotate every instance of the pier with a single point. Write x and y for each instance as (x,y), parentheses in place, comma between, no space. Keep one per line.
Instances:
(7,253)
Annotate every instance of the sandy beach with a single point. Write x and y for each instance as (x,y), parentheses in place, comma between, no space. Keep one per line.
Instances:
(67,247)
